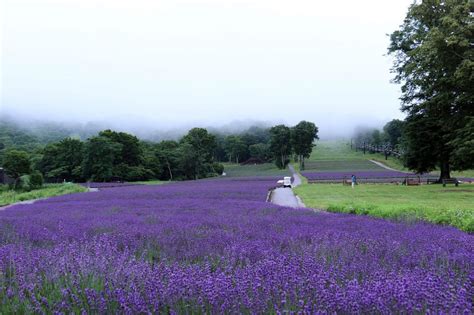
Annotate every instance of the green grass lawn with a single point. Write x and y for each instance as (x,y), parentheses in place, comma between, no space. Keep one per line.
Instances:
(434,203)
(334,150)
(397,164)
(267,169)
(49,190)
(332,155)
(450,205)
(341,165)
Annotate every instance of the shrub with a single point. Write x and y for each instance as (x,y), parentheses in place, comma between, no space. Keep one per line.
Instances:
(23,183)
(138,173)
(218,168)
(36,180)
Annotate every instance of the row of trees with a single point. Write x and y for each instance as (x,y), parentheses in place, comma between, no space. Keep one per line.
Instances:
(114,156)
(389,138)
(298,141)
(251,144)
(434,61)
(117,156)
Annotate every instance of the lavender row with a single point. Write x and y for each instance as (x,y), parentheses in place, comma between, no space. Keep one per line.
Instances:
(215,246)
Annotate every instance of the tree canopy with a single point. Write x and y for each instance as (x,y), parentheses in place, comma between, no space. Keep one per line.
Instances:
(434,62)
(62,160)
(16,163)
(280,145)
(302,138)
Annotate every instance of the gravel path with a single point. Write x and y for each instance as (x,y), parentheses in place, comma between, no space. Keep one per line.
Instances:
(384,166)
(285,196)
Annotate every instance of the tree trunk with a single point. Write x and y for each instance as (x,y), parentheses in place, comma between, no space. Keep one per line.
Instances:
(445,171)
(169,170)
(282,161)
(302,162)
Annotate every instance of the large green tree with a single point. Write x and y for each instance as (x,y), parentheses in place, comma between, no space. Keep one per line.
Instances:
(62,160)
(235,148)
(302,138)
(260,151)
(168,154)
(280,145)
(16,163)
(434,62)
(393,131)
(99,156)
(196,152)
(131,153)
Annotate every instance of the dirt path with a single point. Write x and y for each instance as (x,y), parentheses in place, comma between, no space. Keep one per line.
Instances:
(384,166)
(285,196)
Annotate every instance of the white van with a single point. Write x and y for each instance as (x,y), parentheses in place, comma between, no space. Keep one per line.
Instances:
(287,182)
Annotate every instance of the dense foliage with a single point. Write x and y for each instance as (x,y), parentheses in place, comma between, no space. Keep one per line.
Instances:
(62,160)
(249,146)
(119,156)
(297,140)
(434,62)
(388,139)
(302,138)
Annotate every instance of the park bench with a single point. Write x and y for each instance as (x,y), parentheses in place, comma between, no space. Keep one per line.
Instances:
(412,181)
(431,181)
(346,182)
(450,181)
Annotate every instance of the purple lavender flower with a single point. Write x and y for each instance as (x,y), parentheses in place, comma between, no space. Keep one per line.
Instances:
(216,246)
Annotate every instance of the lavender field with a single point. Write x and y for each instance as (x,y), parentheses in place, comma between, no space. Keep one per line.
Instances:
(216,246)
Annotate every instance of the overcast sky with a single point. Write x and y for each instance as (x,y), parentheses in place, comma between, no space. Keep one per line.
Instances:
(175,62)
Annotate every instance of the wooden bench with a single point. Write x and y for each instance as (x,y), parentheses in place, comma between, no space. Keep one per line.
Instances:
(412,181)
(432,181)
(450,181)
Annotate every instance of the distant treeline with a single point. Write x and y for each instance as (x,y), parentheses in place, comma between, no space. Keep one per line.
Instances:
(388,139)
(119,156)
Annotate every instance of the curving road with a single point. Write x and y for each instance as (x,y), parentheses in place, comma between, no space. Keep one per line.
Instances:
(285,196)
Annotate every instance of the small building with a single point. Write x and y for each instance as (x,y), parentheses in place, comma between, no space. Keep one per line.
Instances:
(4,178)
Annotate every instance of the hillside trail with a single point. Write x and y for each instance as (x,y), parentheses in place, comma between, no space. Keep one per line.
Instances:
(384,166)
(285,196)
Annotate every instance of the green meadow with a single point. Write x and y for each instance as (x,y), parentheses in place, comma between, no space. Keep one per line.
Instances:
(8,196)
(433,203)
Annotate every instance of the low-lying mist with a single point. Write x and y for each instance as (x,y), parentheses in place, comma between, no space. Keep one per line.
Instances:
(330,126)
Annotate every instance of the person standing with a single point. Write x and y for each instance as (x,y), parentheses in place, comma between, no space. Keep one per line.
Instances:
(353,180)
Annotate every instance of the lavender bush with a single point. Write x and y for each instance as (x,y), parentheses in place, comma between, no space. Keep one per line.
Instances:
(216,246)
